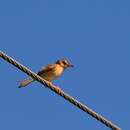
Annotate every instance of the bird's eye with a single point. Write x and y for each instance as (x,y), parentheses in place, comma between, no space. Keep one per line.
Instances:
(64,63)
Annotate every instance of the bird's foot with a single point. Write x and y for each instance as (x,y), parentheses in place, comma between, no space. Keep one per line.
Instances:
(58,88)
(49,84)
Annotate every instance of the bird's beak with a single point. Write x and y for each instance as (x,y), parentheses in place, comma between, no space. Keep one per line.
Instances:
(70,65)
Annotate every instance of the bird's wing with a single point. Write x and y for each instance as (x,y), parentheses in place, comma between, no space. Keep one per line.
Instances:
(46,69)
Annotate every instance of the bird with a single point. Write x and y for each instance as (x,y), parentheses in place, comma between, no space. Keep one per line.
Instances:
(50,72)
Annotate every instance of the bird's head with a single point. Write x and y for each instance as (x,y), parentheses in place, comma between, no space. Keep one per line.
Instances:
(64,63)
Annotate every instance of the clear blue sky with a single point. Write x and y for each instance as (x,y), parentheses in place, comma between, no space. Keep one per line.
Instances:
(93,34)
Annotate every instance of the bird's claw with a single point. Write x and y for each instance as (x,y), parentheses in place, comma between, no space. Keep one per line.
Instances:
(49,84)
(58,88)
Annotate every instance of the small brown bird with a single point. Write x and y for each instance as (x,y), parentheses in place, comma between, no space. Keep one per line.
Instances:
(49,72)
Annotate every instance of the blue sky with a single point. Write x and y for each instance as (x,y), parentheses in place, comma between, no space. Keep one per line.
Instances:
(93,35)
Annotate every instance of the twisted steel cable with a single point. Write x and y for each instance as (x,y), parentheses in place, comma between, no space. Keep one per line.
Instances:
(61,93)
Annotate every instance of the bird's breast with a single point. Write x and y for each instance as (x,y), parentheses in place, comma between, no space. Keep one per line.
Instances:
(58,70)
(53,74)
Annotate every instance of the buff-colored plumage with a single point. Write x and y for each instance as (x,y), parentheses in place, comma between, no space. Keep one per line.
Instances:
(50,72)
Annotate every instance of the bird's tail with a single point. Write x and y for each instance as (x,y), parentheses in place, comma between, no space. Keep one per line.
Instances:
(25,82)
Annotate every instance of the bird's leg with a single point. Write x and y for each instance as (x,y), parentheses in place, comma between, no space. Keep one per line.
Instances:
(58,88)
(49,84)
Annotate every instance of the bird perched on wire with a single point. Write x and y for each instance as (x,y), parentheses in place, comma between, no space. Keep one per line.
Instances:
(49,72)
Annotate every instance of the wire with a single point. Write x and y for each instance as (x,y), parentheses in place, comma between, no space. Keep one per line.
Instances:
(59,92)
